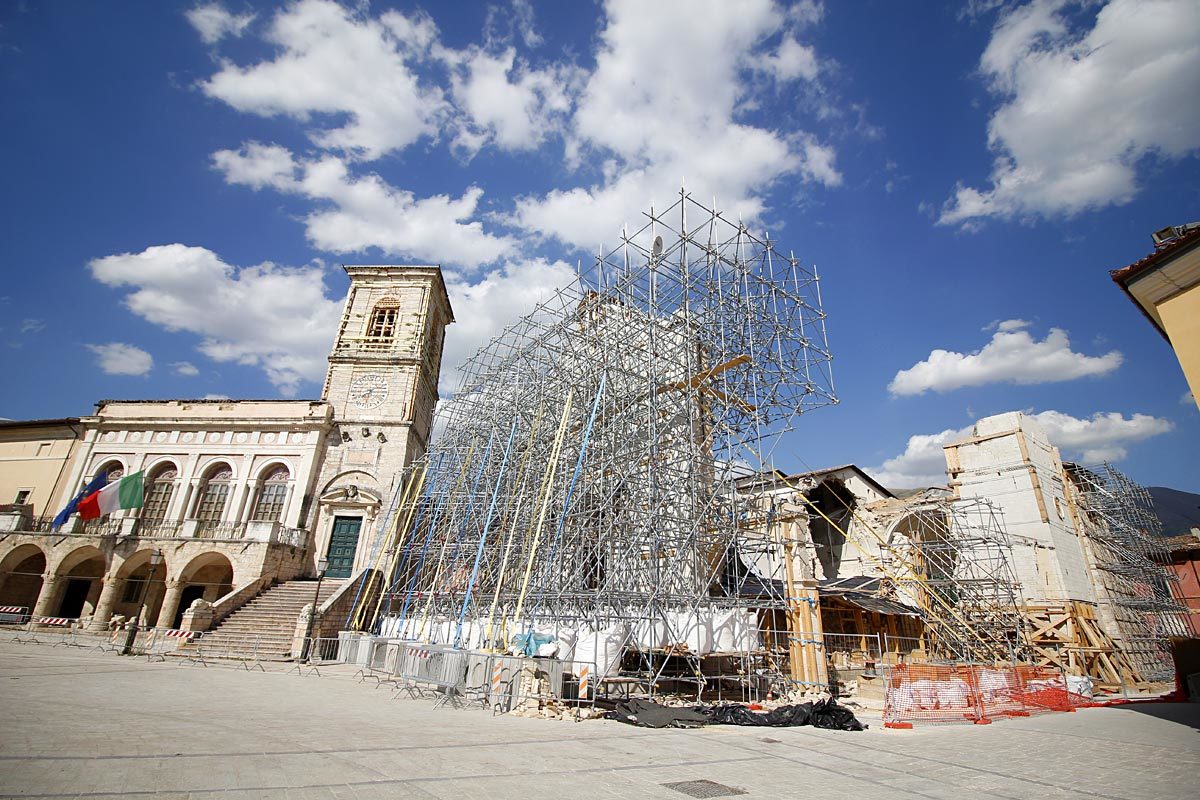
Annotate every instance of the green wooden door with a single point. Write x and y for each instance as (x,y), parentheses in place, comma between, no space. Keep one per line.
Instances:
(343,542)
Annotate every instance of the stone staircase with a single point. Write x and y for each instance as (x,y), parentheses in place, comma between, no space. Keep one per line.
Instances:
(268,623)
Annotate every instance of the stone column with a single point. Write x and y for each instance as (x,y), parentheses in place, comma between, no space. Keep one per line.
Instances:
(49,597)
(113,586)
(170,604)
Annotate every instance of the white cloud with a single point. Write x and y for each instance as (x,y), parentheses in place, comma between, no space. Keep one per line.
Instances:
(806,12)
(117,358)
(335,65)
(1012,356)
(276,318)
(214,22)
(1080,109)
(790,61)
(491,304)
(1188,399)
(215,397)
(366,211)
(662,107)
(505,101)
(1102,437)
(503,24)
(32,325)
(185,368)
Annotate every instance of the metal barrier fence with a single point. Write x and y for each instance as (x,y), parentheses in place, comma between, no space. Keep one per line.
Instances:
(245,651)
(436,670)
(51,630)
(14,615)
(973,693)
(457,677)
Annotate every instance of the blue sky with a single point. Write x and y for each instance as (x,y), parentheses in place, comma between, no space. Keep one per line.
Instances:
(181,183)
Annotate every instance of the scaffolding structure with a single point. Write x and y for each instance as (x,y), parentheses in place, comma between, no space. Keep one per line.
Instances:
(952,559)
(583,485)
(1126,547)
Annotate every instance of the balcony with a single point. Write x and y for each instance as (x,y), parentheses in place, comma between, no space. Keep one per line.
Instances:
(185,530)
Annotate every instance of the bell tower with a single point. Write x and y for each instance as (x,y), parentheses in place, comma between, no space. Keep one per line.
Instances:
(382,385)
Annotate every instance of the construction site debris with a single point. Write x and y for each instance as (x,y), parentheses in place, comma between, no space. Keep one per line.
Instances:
(820,714)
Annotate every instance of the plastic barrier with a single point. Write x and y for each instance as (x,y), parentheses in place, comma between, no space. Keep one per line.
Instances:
(14,615)
(931,693)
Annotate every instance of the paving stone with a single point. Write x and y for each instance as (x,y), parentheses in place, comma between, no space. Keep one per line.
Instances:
(96,725)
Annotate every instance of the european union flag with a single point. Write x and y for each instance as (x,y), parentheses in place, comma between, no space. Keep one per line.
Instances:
(98,483)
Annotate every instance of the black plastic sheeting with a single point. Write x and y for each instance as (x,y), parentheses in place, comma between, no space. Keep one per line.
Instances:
(821,714)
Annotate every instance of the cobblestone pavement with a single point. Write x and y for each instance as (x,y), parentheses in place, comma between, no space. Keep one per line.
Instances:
(88,724)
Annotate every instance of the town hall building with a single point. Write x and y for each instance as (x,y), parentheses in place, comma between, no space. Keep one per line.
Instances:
(240,495)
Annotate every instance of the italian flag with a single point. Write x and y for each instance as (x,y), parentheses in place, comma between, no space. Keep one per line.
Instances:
(125,493)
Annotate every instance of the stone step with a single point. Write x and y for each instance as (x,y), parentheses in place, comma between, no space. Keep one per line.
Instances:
(268,622)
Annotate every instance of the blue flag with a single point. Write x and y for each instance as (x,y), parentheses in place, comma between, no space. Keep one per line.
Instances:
(98,483)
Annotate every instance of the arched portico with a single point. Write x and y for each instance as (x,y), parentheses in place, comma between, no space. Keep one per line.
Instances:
(72,589)
(21,576)
(208,576)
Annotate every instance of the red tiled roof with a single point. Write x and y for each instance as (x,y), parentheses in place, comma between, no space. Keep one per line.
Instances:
(1124,275)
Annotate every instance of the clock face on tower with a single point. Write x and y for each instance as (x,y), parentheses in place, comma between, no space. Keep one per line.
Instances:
(368,391)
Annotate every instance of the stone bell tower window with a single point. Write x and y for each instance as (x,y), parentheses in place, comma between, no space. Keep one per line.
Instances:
(381,329)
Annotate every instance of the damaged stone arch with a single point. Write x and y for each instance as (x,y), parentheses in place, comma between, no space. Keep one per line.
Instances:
(921,540)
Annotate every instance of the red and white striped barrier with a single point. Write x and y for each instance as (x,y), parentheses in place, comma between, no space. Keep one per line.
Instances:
(58,622)
(185,635)
(585,674)
(12,609)
(497,672)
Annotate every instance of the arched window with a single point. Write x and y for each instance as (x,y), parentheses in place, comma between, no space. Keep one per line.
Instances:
(214,493)
(158,490)
(114,469)
(271,495)
(381,329)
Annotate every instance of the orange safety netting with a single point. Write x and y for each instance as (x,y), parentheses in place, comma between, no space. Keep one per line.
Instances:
(973,693)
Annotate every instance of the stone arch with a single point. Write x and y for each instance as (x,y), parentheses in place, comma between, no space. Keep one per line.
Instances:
(920,539)
(272,464)
(78,581)
(208,576)
(162,462)
(141,585)
(215,463)
(357,478)
(114,465)
(21,572)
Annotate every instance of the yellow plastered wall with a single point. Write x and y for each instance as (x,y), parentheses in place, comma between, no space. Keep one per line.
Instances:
(1181,318)
(35,460)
